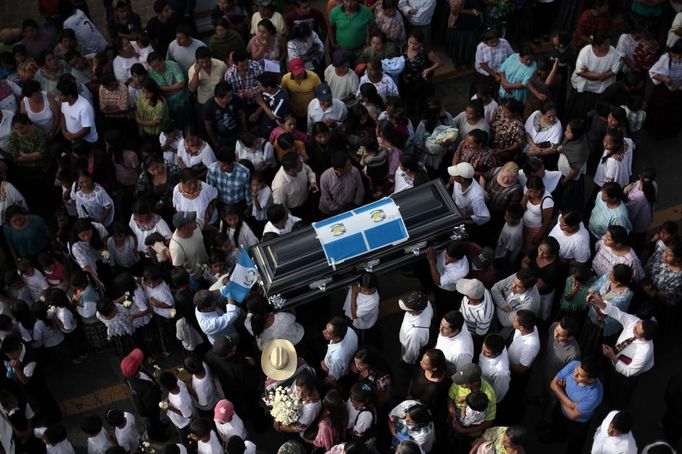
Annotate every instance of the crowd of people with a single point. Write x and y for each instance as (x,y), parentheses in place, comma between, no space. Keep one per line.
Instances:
(137,162)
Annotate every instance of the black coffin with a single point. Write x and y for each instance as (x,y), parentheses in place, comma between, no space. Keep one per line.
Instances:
(294,270)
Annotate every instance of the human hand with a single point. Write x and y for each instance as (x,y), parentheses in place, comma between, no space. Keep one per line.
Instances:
(609,352)
(507,309)
(355,289)
(314,188)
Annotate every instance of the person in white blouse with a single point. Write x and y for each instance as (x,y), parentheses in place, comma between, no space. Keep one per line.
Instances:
(416,325)
(573,238)
(614,435)
(664,118)
(195,152)
(197,196)
(494,362)
(543,131)
(613,165)
(525,345)
(468,194)
(633,353)
(455,341)
(343,343)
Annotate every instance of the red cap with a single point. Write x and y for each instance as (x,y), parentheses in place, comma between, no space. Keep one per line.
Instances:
(297,66)
(223,411)
(130,365)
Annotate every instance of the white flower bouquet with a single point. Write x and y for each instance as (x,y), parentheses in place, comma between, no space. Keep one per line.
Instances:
(285,408)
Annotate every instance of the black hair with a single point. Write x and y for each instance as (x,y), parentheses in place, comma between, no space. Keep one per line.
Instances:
(525,318)
(259,309)
(517,435)
(420,414)
(649,329)
(222,88)
(535,182)
(152,273)
(82,225)
(55,434)
(437,360)
(477,400)
(277,213)
(56,297)
(226,155)
(239,55)
(285,141)
(515,210)
(527,51)
(648,177)
(159,5)
(479,136)
(268,79)
(622,273)
(577,127)
(456,249)
(339,326)
(408,447)
(115,417)
(623,422)
(527,277)
(478,107)
(600,38)
(339,160)
(613,191)
(373,358)
(591,367)
(569,324)
(301,30)
(454,319)
(495,343)
(369,91)
(168,380)
(67,88)
(583,274)
(532,165)
(91,425)
(106,307)
(367,280)
(200,427)
(572,218)
(553,245)
(361,392)
(235,445)
(619,234)
(29,87)
(202,52)
(153,88)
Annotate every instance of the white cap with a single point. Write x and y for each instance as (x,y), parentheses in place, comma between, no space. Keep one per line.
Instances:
(463,169)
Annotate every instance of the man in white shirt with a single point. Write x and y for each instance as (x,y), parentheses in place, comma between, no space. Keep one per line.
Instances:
(293,183)
(414,330)
(614,435)
(446,269)
(418,14)
(523,350)
(573,238)
(342,81)
(455,341)
(186,246)
(280,221)
(514,293)
(212,320)
(183,49)
(494,362)
(343,343)
(477,307)
(125,58)
(468,194)
(633,353)
(325,108)
(178,405)
(78,116)
(362,303)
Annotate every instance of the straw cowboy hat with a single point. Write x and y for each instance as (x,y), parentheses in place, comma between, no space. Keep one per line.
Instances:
(279,359)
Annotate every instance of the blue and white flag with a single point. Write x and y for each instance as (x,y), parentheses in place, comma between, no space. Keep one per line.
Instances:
(362,230)
(242,279)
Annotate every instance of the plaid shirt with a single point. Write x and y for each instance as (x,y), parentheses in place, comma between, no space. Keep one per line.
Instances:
(232,187)
(248,83)
(492,56)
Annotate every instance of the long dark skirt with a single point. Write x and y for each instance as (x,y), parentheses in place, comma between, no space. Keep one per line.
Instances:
(580,103)
(573,195)
(664,112)
(591,339)
(461,45)
(166,332)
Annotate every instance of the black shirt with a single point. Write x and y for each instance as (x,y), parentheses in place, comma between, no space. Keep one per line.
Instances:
(162,33)
(225,120)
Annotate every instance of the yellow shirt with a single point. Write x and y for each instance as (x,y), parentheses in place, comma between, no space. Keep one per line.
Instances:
(301,94)
(207,82)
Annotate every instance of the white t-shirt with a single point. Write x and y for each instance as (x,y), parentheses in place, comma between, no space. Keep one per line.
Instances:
(228,429)
(128,437)
(587,59)
(141,234)
(260,156)
(207,394)
(359,421)
(575,246)
(162,294)
(36,284)
(524,349)
(90,39)
(510,239)
(99,443)
(212,446)
(181,401)
(452,272)
(205,156)
(66,317)
(80,115)
(264,200)
(122,67)
(612,170)
(532,215)
(291,220)
(367,311)
(199,204)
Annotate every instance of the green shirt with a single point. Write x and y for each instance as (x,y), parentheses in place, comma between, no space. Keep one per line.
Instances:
(19,145)
(458,395)
(147,112)
(221,47)
(171,76)
(351,31)
(648,10)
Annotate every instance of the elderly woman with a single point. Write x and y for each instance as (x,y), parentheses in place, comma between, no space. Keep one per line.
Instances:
(614,248)
(266,44)
(502,189)
(474,150)
(545,263)
(543,134)
(664,283)
(509,135)
(664,109)
(573,154)
(515,73)
(599,329)
(595,70)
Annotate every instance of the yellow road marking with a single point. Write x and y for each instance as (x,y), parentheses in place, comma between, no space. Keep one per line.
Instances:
(92,401)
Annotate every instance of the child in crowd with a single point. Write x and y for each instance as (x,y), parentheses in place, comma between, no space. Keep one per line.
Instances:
(361,412)
(178,403)
(411,420)
(85,299)
(99,440)
(227,422)
(217,268)
(16,288)
(288,126)
(207,441)
(510,241)
(160,298)
(187,329)
(473,413)
(55,440)
(53,270)
(46,334)
(122,247)
(65,319)
(35,280)
(202,387)
(262,199)
(125,432)
(223,244)
(280,221)
(119,327)
(238,231)
(666,236)
(126,291)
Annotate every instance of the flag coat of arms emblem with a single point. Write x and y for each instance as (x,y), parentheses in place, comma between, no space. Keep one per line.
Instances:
(362,230)
(244,275)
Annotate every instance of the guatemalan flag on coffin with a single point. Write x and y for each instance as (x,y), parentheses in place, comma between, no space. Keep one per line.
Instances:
(362,230)
(242,279)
